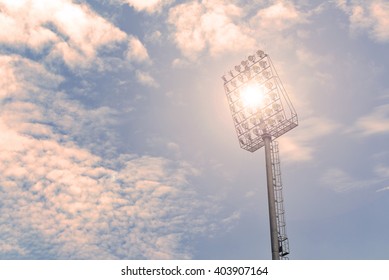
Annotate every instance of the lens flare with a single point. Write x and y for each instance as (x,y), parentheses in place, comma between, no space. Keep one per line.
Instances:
(252,96)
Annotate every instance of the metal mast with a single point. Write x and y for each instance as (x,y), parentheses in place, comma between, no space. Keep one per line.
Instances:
(262,112)
(283,242)
(275,248)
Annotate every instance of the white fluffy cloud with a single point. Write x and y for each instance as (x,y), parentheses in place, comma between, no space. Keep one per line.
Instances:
(65,191)
(72,32)
(66,198)
(215,26)
(279,16)
(61,200)
(223,26)
(137,51)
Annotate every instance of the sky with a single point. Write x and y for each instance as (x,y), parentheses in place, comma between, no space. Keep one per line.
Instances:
(117,141)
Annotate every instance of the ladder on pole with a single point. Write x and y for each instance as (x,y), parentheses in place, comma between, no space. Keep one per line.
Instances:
(283,241)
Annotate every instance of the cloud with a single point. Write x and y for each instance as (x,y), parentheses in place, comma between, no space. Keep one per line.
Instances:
(339,181)
(312,59)
(7,78)
(382,171)
(279,16)
(38,112)
(300,146)
(219,27)
(375,123)
(149,6)
(137,51)
(61,200)
(372,16)
(154,37)
(66,191)
(380,13)
(293,150)
(66,199)
(214,26)
(72,32)
(383,189)
(146,79)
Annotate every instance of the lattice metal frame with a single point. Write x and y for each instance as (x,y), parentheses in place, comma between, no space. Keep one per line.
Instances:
(277,114)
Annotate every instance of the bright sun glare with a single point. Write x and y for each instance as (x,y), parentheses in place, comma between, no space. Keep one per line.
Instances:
(252,96)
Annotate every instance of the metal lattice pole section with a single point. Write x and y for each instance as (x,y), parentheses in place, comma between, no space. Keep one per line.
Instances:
(283,242)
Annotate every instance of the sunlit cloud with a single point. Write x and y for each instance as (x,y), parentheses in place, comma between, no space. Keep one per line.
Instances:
(137,51)
(66,193)
(65,197)
(60,200)
(295,151)
(180,63)
(372,16)
(219,27)
(72,32)
(279,16)
(301,146)
(374,123)
(146,79)
(213,26)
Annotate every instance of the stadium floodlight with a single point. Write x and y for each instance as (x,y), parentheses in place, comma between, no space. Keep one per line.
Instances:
(261,111)
(258,101)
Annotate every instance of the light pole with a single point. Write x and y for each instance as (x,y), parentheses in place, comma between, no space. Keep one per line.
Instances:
(261,111)
(275,251)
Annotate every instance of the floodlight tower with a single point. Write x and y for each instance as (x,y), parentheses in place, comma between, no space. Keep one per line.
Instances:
(261,111)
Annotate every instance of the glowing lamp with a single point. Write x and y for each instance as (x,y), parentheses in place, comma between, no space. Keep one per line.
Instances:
(256,96)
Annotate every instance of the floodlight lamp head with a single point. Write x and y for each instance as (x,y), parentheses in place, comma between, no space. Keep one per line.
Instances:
(261,53)
(252,96)
(262,125)
(259,104)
